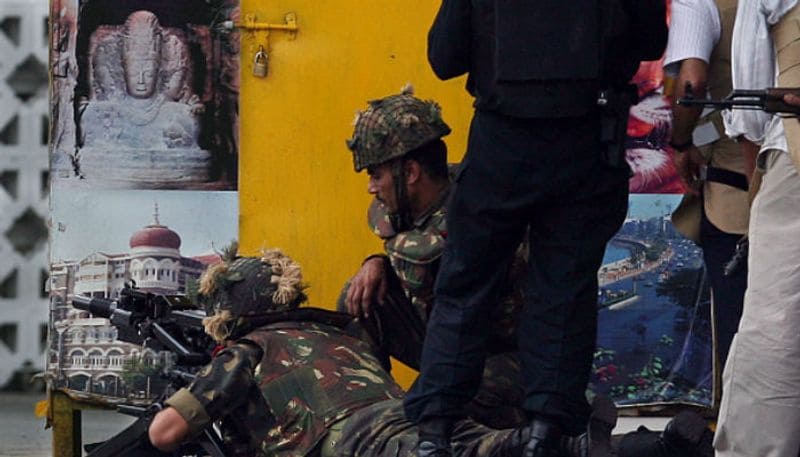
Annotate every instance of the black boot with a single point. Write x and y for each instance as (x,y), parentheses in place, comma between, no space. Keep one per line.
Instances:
(687,434)
(596,442)
(642,443)
(545,439)
(543,435)
(434,438)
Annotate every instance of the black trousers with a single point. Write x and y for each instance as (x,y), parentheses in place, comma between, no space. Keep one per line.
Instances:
(547,174)
(728,291)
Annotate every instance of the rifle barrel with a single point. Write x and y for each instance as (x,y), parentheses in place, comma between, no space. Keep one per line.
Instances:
(723,104)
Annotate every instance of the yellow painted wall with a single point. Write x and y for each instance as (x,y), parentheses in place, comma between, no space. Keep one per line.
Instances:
(298,190)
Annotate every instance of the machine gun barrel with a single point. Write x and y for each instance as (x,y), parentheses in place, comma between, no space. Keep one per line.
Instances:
(767,100)
(102,307)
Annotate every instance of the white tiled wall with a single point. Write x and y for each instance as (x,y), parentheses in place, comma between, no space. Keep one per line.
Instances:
(23,188)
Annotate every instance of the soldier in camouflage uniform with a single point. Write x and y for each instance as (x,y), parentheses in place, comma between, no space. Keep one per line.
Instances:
(298,381)
(398,141)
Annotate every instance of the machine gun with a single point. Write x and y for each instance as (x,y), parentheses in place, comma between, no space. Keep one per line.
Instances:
(768,100)
(159,322)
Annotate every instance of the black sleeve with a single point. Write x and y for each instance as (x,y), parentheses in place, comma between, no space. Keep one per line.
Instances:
(649,21)
(449,39)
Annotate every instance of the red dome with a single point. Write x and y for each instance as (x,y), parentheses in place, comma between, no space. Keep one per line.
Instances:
(157,236)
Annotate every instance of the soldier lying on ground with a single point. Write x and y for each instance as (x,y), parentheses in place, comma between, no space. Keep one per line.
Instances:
(306,382)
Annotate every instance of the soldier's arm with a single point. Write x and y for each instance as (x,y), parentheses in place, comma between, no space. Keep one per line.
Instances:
(368,285)
(215,392)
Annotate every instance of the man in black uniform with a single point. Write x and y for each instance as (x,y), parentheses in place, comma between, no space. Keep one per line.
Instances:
(545,151)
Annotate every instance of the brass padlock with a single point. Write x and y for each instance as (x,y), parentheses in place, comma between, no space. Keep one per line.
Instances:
(260,63)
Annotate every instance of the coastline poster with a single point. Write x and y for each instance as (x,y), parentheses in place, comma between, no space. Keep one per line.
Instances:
(654,343)
(654,338)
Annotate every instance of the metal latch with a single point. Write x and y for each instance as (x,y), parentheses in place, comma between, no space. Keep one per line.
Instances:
(252,25)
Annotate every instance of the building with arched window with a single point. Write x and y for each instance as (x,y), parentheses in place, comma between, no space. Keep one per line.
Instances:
(85,354)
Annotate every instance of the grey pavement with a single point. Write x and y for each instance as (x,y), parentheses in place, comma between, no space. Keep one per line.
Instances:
(22,434)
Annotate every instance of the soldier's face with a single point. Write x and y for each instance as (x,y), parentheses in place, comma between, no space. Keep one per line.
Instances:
(381,185)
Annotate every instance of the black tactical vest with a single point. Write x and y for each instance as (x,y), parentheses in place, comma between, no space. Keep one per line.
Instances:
(550,58)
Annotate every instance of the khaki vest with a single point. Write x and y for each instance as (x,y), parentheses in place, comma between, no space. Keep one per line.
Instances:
(786,37)
(725,206)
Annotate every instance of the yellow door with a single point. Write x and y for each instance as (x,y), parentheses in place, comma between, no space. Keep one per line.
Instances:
(298,190)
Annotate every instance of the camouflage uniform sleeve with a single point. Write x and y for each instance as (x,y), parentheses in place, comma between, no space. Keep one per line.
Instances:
(217,389)
(190,409)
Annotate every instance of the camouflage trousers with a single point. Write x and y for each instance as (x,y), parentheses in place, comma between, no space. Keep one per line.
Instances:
(381,429)
(398,331)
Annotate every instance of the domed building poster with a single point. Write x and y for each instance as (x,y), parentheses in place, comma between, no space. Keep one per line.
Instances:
(127,251)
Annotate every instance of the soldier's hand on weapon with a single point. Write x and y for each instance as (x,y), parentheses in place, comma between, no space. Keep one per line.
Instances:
(368,284)
(688,164)
(167,430)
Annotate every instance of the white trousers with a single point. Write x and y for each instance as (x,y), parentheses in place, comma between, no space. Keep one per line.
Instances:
(760,411)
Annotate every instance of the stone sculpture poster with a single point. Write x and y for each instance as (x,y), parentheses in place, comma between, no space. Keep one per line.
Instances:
(654,336)
(144,94)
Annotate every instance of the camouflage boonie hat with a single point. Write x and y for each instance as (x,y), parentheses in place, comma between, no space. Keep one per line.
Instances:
(394,125)
(248,286)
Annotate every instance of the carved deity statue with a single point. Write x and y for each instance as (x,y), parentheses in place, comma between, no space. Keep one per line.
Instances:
(141,104)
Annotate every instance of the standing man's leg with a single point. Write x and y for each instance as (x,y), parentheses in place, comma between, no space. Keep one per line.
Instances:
(760,410)
(513,168)
(727,291)
(558,332)
(485,221)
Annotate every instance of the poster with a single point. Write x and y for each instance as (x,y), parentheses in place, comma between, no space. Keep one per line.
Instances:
(654,342)
(144,94)
(144,174)
(654,338)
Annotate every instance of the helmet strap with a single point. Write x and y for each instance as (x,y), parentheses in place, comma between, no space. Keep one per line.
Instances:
(401,219)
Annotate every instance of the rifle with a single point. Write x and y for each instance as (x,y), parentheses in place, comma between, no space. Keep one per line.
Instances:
(767,100)
(160,322)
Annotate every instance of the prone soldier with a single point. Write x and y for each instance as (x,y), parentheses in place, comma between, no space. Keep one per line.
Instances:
(296,381)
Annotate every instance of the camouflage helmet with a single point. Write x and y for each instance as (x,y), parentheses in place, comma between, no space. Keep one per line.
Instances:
(241,287)
(394,125)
